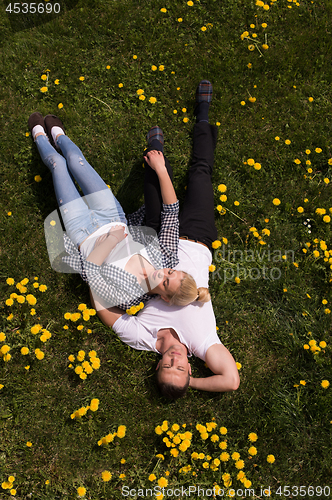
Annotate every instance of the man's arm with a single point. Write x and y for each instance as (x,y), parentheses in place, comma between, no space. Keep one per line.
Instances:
(222,364)
(108,316)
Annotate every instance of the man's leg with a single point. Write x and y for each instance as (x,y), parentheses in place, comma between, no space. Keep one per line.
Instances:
(197,214)
(152,194)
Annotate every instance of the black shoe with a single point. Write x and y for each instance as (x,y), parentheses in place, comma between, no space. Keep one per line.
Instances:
(204,91)
(155,133)
(52,121)
(36,119)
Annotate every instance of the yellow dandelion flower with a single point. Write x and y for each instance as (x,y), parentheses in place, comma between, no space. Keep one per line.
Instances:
(106,476)
(121,432)
(162,482)
(270,459)
(81,491)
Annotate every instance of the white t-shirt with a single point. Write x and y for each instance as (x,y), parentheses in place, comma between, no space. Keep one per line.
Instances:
(194,324)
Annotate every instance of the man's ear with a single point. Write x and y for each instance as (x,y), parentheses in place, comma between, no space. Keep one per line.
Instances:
(189,368)
(158,365)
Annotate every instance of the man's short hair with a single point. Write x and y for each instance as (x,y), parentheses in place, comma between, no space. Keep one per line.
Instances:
(172,391)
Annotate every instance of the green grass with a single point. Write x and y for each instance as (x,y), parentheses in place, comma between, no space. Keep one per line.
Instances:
(264,326)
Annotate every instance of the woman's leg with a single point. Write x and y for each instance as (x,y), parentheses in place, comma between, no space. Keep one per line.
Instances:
(74,212)
(98,195)
(197,214)
(152,194)
(64,186)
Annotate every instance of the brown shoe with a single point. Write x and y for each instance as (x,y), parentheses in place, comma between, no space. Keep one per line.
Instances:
(36,119)
(52,121)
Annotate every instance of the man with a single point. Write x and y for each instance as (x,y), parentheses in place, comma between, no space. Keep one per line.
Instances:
(172,331)
(176,332)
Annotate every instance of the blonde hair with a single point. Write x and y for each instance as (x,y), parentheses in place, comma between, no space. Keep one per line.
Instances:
(188,292)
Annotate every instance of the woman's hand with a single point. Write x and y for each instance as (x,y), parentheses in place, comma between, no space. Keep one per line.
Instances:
(117,231)
(155,160)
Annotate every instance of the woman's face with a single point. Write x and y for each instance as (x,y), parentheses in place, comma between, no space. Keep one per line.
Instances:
(165,282)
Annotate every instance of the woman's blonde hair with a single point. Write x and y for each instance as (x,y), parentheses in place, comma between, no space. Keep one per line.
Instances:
(188,292)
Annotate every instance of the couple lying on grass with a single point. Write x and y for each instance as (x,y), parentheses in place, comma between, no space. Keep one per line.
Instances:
(154,258)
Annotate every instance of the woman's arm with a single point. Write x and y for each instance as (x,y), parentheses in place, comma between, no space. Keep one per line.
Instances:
(109,241)
(156,160)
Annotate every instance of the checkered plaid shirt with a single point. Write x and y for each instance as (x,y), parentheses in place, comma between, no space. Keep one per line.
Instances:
(116,286)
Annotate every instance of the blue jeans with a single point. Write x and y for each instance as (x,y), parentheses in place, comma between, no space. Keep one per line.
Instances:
(81,215)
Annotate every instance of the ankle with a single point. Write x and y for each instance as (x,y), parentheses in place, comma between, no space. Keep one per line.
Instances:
(38,134)
(58,136)
(56,132)
(36,131)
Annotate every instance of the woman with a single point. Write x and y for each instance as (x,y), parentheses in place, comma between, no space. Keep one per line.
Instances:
(124,265)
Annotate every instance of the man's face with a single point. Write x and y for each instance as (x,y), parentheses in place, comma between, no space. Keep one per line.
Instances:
(165,281)
(174,366)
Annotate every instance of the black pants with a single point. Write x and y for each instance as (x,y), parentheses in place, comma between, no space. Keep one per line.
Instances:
(197,214)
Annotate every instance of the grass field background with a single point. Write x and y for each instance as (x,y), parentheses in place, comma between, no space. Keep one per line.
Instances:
(272,104)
